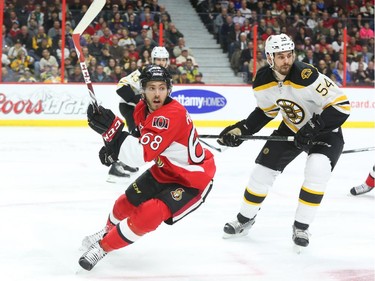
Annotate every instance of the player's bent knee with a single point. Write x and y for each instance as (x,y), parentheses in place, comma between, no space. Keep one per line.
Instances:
(148,216)
(262,178)
(317,170)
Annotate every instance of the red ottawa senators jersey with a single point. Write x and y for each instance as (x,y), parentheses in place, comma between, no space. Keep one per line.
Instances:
(169,138)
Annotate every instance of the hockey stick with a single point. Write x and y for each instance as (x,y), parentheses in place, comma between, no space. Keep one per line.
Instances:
(94,9)
(212,146)
(250,137)
(358,150)
(268,138)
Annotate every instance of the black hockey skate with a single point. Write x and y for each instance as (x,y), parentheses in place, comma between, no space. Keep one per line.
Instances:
(361,189)
(117,173)
(128,168)
(93,255)
(237,229)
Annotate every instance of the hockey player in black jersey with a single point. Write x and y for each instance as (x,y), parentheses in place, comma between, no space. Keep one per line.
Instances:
(129,90)
(313,108)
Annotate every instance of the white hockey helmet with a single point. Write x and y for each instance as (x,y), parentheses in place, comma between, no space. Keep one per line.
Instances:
(159,53)
(278,43)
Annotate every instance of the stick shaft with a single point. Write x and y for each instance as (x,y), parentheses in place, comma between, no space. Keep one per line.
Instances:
(94,9)
(249,137)
(358,150)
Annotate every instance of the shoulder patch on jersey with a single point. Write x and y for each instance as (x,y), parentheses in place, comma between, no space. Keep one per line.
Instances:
(303,74)
(306,73)
(160,122)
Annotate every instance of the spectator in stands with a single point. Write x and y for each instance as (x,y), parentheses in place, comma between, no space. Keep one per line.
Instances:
(77,75)
(366,54)
(236,40)
(47,60)
(107,37)
(144,59)
(245,11)
(190,69)
(110,67)
(338,75)
(360,76)
(312,21)
(116,22)
(126,40)
(226,29)
(133,26)
(100,76)
(16,49)
(27,77)
(246,56)
(117,74)
(95,47)
(260,62)
(38,38)
(181,44)
(58,51)
(38,15)
(115,50)
(355,63)
(324,68)
(239,18)
(310,59)
(182,79)
(173,34)
(15,30)
(148,22)
(338,44)
(365,33)
(53,76)
(125,61)
(55,30)
(7,75)
(6,40)
(21,62)
(219,20)
(181,59)
(25,37)
(198,78)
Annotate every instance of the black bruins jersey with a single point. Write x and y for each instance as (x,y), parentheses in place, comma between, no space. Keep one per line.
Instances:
(303,92)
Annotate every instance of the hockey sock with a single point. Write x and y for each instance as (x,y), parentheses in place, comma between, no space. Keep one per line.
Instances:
(370,181)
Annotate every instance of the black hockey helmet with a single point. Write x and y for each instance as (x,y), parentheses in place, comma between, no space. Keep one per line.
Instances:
(155,73)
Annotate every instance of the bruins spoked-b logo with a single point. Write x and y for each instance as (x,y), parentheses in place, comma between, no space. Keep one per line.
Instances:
(294,112)
(177,194)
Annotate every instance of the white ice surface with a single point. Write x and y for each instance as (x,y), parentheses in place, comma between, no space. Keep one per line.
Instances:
(53,192)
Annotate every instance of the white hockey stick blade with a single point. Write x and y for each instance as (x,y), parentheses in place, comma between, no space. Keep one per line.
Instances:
(94,9)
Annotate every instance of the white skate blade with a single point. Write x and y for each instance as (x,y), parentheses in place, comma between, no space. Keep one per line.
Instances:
(298,249)
(230,236)
(115,179)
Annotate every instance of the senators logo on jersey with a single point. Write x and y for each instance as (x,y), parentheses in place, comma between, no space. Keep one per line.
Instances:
(177,194)
(160,122)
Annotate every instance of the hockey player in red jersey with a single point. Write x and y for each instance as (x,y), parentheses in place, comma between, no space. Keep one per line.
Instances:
(173,187)
(313,108)
(129,90)
(365,187)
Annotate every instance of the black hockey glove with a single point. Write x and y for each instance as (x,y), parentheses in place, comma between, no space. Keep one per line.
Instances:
(305,136)
(104,122)
(229,136)
(107,156)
